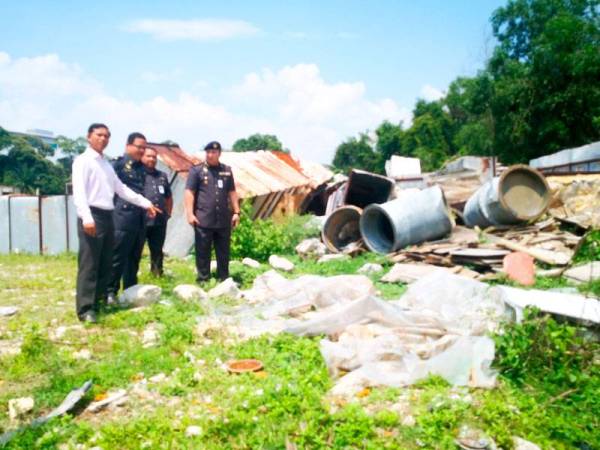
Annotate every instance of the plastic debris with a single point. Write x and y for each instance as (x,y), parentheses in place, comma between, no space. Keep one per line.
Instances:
(114,399)
(68,404)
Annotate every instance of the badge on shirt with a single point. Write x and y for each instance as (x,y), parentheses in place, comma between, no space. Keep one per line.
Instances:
(220,183)
(161,189)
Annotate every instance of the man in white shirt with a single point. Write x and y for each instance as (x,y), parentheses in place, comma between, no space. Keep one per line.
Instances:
(94,186)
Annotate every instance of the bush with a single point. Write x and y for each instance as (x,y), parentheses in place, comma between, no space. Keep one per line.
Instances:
(260,239)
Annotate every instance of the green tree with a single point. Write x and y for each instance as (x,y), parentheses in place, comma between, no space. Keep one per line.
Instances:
(23,165)
(356,154)
(70,148)
(258,142)
(546,69)
(389,142)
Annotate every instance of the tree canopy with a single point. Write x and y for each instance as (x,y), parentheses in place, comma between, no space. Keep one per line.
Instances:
(538,93)
(258,142)
(24,163)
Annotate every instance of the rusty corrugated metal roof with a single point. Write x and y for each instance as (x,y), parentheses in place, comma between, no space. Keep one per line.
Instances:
(256,173)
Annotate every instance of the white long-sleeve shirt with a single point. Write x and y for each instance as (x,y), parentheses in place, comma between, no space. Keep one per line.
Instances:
(95,183)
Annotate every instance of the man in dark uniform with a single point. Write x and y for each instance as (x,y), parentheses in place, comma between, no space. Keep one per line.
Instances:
(213,209)
(158,191)
(130,220)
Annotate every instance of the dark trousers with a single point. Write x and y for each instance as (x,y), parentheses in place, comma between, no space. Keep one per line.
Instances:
(94,261)
(204,238)
(155,235)
(126,258)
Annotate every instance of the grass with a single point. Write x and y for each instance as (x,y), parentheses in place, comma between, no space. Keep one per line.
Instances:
(547,390)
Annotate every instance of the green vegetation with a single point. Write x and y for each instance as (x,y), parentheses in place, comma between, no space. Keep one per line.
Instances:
(546,393)
(258,141)
(537,94)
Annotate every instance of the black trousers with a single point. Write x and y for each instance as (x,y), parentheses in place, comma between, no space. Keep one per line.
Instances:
(155,235)
(128,248)
(204,238)
(94,261)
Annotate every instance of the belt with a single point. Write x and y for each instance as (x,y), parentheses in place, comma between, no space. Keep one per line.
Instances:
(100,211)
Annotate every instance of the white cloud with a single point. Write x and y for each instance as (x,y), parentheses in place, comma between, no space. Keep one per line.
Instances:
(310,115)
(193,29)
(431,93)
(150,76)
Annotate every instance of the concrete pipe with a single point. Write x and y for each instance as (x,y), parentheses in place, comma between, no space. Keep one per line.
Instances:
(411,219)
(517,196)
(341,228)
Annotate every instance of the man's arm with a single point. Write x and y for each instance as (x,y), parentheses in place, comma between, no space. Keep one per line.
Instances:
(169,205)
(80,197)
(188,202)
(235,204)
(132,197)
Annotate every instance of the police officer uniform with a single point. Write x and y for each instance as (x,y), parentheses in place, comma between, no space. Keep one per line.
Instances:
(211,186)
(157,190)
(130,222)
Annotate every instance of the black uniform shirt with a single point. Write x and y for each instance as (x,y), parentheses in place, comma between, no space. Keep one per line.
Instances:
(132,173)
(211,187)
(157,190)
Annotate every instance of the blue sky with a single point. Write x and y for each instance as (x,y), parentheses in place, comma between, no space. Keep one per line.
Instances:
(313,73)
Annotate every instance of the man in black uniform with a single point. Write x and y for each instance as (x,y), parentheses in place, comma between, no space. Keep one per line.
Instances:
(158,191)
(130,220)
(210,199)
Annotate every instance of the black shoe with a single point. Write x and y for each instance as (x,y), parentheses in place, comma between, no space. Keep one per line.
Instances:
(111,299)
(89,317)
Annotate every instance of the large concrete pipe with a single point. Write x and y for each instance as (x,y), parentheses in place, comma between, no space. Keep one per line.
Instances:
(341,228)
(519,195)
(411,219)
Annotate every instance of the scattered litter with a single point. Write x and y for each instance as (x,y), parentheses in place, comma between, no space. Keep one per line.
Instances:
(68,403)
(333,257)
(151,335)
(519,267)
(193,431)
(409,272)
(244,365)
(369,268)
(312,247)
(278,262)
(84,353)
(227,288)
(584,273)
(6,311)
(251,263)
(439,326)
(190,292)
(158,378)
(140,295)
(522,444)
(473,439)
(114,399)
(10,347)
(18,407)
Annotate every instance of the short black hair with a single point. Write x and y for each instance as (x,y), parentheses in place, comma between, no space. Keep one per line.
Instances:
(133,136)
(95,126)
(213,145)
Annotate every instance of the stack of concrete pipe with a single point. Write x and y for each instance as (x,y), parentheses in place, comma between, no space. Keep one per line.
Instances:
(519,195)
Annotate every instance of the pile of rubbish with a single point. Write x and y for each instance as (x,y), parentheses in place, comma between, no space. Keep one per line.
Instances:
(440,326)
(517,211)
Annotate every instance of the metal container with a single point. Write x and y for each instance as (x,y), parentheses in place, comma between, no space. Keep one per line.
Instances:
(411,219)
(341,228)
(519,195)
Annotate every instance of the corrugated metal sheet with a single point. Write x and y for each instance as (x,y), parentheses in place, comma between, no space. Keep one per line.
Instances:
(180,235)
(4,225)
(25,224)
(72,225)
(581,159)
(54,231)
